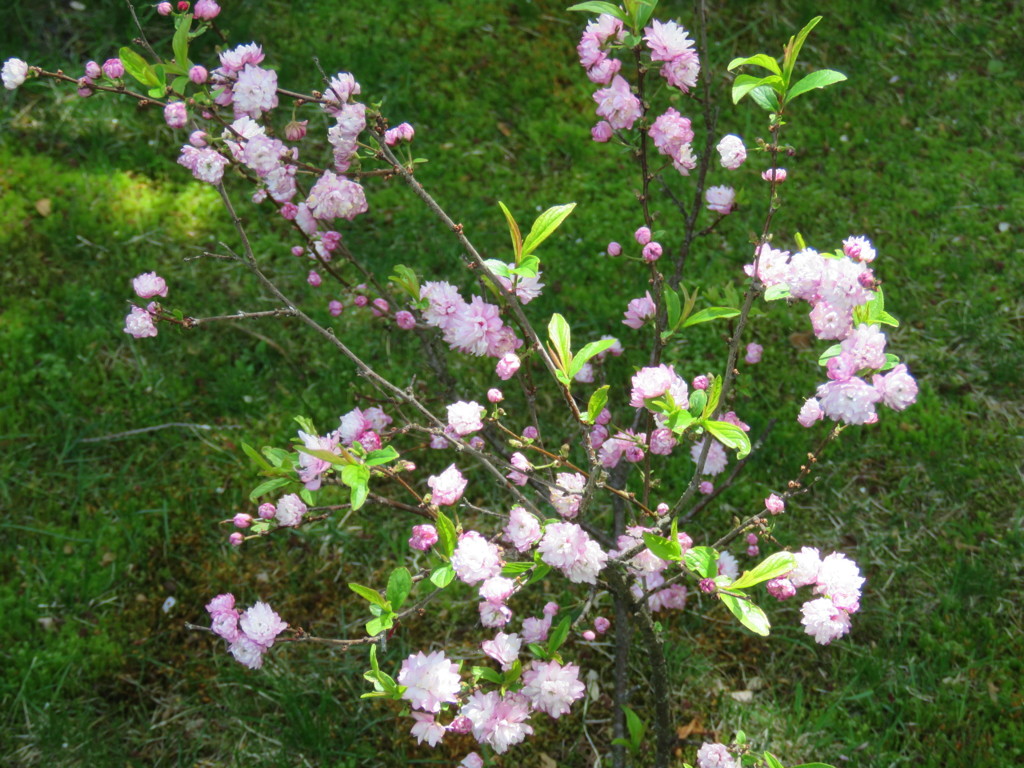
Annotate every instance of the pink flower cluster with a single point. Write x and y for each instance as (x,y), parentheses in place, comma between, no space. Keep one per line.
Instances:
(670,43)
(604,31)
(647,568)
(250,634)
(835,286)
(836,578)
(474,327)
(568,548)
(672,134)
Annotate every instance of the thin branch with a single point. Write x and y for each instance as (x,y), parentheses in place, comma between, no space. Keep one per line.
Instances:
(145,430)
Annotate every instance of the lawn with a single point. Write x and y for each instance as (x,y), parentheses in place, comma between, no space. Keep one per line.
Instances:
(920,150)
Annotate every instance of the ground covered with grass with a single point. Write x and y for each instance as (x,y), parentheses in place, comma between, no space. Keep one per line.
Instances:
(920,150)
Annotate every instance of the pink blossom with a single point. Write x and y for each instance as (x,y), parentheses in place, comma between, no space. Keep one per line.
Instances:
(114,69)
(866,346)
(851,402)
(523,529)
(206,164)
(242,520)
(494,395)
(601,132)
(805,571)
(261,624)
(859,248)
(601,624)
(198,139)
(430,680)
(614,249)
(507,366)
(464,418)
(720,200)
(236,59)
(290,510)
(335,307)
(642,235)
(497,589)
(504,649)
(810,412)
(198,74)
(335,196)
(313,278)
(175,114)
(567,496)
(662,441)
(14,73)
(426,728)
(824,621)
(649,383)
(706,487)
(149,284)
(343,86)
(164,9)
(448,487)
(92,70)
(897,389)
(732,152)
(526,289)
(639,310)
(682,72)
(716,459)
(727,565)
(494,615)
(753,353)
(781,588)
(774,504)
(296,130)
(652,252)
(536,630)
(475,558)
(472,760)
(552,688)
(498,720)
(830,322)
(776,174)
(838,576)
(567,547)
(247,652)
(254,91)
(206,10)
(266,511)
(668,41)
(405,320)
(618,105)
(714,756)
(423,537)
(139,323)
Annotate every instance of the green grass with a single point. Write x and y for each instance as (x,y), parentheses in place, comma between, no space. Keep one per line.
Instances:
(96,535)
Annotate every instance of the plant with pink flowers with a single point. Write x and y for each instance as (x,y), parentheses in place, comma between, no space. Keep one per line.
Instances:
(563,485)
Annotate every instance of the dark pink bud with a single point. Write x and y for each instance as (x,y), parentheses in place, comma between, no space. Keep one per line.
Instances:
(198,74)
(113,68)
(183,7)
(370,441)
(93,70)
(531,433)
(289,211)
(267,511)
(330,239)
(601,624)
(614,249)
(296,130)
(700,382)
(242,520)
(313,278)
(707,586)
(335,308)
(643,235)
(751,538)
(236,539)
(781,589)
(652,252)
(164,9)
(298,250)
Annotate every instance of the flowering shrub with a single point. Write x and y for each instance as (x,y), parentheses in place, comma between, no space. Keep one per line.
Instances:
(565,495)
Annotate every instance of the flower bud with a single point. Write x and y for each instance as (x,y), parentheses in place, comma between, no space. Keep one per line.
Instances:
(296,130)
(242,520)
(707,586)
(313,278)
(370,441)
(700,382)
(113,68)
(751,538)
(335,308)
(198,74)
(267,511)
(495,395)
(531,433)
(774,504)
(588,634)
(206,10)
(614,249)
(164,9)
(643,235)
(781,588)
(289,211)
(405,320)
(85,87)
(197,139)
(507,366)
(779,175)
(236,539)
(652,252)
(298,250)
(601,624)
(183,6)
(753,550)
(706,487)
(93,70)
(601,132)
(360,301)
(175,114)
(380,307)
(753,353)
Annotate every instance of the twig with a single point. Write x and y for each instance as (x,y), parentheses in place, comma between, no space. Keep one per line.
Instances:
(144,430)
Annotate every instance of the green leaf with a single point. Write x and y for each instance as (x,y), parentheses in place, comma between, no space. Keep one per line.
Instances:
(528,267)
(381,456)
(891,361)
(267,486)
(702,561)
(513,230)
(636,727)
(597,402)
(672,307)
(715,394)
(744,84)
(730,436)
(820,79)
(709,314)
(279,457)
(642,12)
(356,477)
(814,765)
(498,267)
(792,50)
(442,576)
(180,42)
(545,225)
(666,549)
(776,292)
(180,84)
(406,279)
(771,761)
(559,634)
(374,665)
(447,537)
(771,567)
(253,454)
(766,98)
(399,587)
(598,7)
(588,351)
(538,651)
(372,596)
(758,59)
(750,616)
(829,353)
(515,568)
(679,421)
(620,742)
(487,674)
(698,399)
(157,92)
(375,626)
(539,572)
(138,67)
(561,342)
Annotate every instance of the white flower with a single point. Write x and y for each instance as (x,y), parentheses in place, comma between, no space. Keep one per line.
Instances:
(14,73)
